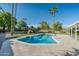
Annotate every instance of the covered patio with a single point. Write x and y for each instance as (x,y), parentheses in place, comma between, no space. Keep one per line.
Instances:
(73,30)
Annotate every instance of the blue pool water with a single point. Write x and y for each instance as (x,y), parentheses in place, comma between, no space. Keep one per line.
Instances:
(40,38)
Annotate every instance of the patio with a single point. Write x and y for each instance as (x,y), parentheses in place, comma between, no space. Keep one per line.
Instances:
(23,49)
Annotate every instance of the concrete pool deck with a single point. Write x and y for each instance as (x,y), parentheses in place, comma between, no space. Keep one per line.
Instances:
(59,49)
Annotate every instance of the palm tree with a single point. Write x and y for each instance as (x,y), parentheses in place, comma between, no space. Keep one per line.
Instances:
(53,10)
(13,6)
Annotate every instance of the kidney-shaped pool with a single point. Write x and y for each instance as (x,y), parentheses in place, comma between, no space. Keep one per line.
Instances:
(39,39)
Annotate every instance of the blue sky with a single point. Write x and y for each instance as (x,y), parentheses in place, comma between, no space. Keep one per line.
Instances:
(37,12)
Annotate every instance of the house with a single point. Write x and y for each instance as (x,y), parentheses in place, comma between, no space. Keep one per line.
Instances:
(73,30)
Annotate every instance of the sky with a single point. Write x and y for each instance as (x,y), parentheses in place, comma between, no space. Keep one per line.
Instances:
(37,12)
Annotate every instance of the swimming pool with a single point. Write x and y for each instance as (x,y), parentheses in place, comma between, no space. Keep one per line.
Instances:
(40,38)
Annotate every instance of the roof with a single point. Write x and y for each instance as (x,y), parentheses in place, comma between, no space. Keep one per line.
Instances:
(73,23)
(78,30)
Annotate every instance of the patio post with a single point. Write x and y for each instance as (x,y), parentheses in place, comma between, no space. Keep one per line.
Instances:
(75,32)
(67,31)
(71,31)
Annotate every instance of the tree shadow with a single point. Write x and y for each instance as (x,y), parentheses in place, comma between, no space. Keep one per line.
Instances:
(72,53)
(2,38)
(5,46)
(6,49)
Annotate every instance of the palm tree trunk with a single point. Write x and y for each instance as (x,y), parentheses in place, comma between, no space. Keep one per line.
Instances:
(12,29)
(54,31)
(12,18)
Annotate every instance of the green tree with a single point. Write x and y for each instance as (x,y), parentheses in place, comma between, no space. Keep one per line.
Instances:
(21,24)
(57,26)
(5,20)
(53,10)
(44,25)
